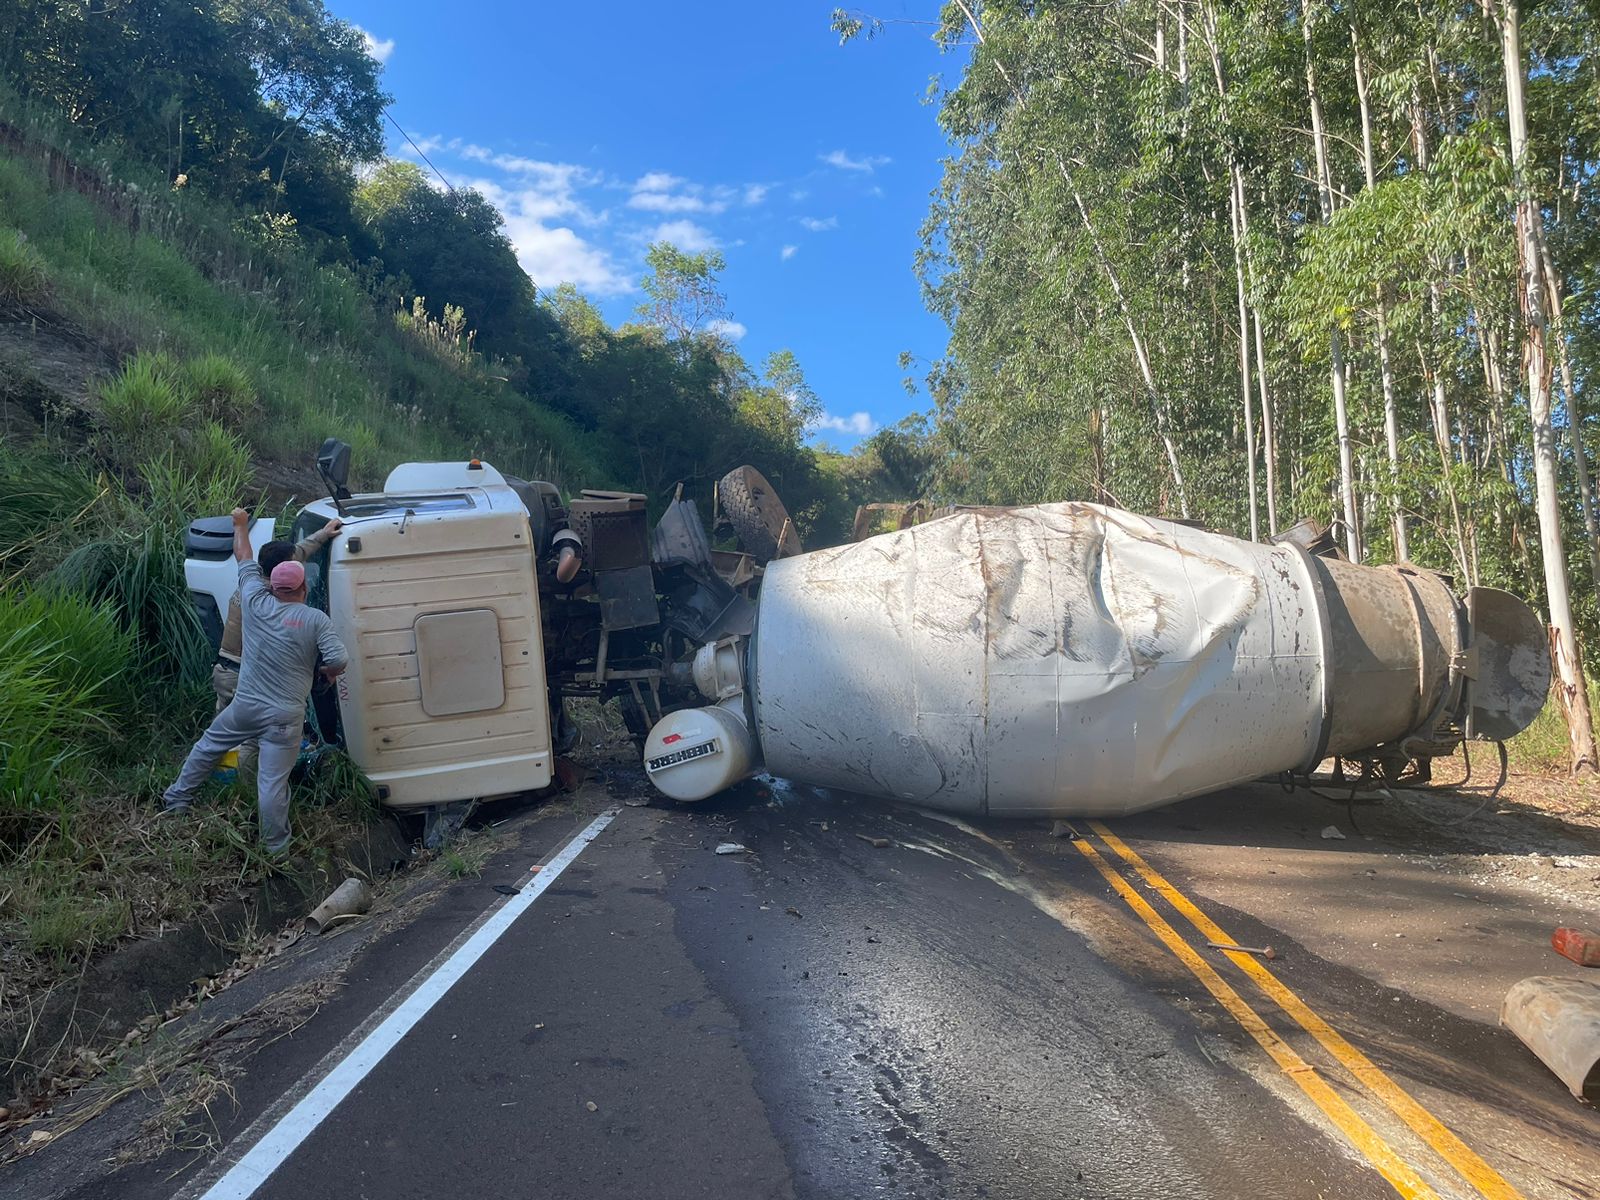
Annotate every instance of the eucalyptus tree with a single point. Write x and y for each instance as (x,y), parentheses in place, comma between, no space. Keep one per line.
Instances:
(1188,248)
(1571,687)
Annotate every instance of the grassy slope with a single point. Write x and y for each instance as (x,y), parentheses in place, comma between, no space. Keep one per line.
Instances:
(115,269)
(322,360)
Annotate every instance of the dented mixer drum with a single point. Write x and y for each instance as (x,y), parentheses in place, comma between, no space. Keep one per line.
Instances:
(1075,660)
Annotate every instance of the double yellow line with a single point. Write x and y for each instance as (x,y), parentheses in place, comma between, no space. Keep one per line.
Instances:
(1361,1135)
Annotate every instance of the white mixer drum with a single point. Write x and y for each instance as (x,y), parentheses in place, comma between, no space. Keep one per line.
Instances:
(1059,659)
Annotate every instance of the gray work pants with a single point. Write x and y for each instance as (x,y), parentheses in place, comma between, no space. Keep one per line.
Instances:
(279,736)
(225,682)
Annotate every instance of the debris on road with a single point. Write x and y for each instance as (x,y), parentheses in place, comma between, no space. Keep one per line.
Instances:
(733,848)
(1559,1020)
(792,911)
(1063,829)
(505,889)
(879,843)
(591,1106)
(350,899)
(1263,951)
(1333,833)
(1582,948)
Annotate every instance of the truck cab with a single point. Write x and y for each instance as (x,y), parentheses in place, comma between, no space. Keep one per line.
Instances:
(431,585)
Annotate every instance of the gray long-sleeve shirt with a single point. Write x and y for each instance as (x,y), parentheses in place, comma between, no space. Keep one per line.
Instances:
(232,646)
(284,641)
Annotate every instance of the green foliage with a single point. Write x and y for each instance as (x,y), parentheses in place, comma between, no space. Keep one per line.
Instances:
(220,389)
(145,408)
(138,573)
(452,245)
(65,663)
(69,921)
(23,278)
(41,498)
(208,475)
(684,295)
(1088,230)
(334,781)
(266,103)
(304,336)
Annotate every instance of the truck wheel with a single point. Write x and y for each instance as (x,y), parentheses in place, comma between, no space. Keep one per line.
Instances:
(758,517)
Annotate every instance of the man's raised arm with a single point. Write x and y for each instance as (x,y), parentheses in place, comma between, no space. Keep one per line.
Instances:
(241,536)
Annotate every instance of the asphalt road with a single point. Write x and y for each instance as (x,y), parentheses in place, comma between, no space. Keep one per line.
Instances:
(962,1012)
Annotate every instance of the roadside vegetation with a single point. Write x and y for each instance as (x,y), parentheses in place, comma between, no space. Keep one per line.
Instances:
(1250,263)
(206,268)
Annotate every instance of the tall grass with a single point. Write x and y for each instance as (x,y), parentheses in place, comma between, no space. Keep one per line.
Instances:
(43,498)
(65,675)
(220,388)
(144,408)
(1545,746)
(23,278)
(322,357)
(138,572)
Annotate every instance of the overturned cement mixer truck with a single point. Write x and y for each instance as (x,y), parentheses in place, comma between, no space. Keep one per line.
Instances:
(1051,660)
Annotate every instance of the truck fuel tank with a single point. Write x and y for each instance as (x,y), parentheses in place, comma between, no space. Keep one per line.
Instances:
(1076,660)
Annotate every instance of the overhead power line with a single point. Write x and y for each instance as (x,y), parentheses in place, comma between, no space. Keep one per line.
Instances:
(419,150)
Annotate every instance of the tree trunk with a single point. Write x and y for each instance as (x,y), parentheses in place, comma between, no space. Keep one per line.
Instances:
(1580,457)
(1269,446)
(1391,410)
(1268,434)
(1140,353)
(1236,228)
(1234,199)
(1570,685)
(1341,411)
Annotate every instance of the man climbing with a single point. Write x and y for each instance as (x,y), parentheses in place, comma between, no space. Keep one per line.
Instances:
(225,671)
(282,639)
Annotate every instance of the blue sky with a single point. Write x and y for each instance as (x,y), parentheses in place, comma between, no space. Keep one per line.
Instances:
(599,128)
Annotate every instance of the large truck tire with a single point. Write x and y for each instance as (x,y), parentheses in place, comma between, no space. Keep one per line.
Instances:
(759,519)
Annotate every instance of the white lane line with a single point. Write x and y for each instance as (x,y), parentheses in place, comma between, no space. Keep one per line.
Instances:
(430,984)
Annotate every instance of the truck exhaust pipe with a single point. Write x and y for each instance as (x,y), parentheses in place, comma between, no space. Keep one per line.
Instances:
(1076,660)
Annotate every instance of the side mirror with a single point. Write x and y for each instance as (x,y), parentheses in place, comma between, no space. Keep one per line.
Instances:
(333,464)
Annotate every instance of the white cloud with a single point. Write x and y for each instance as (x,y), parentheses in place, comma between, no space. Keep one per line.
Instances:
(658,181)
(867,162)
(660,192)
(685,235)
(788,252)
(857,424)
(755,193)
(552,254)
(819,224)
(732,330)
(379,50)
(541,190)
(666,202)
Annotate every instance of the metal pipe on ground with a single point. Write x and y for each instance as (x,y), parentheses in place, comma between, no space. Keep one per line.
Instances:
(350,898)
(1559,1020)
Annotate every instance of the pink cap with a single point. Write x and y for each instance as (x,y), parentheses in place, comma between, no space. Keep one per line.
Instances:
(288,576)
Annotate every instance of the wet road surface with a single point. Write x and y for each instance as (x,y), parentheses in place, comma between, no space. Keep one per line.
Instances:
(962,1012)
